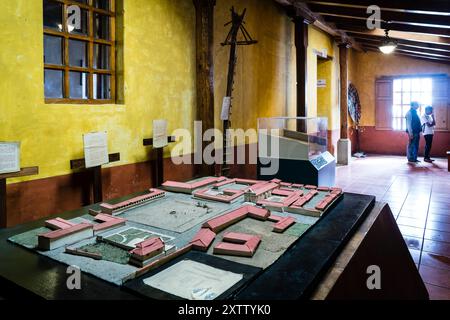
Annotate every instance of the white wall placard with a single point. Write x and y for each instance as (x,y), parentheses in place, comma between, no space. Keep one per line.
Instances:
(9,157)
(160,133)
(225,108)
(199,281)
(95,149)
(321,83)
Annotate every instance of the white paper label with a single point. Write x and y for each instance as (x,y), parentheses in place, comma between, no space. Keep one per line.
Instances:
(95,149)
(9,157)
(225,115)
(160,133)
(321,83)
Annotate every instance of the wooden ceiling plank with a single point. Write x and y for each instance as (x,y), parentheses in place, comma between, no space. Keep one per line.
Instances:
(424,38)
(400,17)
(421,47)
(418,52)
(361,24)
(422,44)
(401,52)
(435,7)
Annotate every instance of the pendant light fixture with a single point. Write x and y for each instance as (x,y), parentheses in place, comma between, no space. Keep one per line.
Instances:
(388,46)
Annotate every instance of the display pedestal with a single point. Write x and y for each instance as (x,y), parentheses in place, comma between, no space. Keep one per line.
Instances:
(344,149)
(377,242)
(319,171)
(96,172)
(157,173)
(22,173)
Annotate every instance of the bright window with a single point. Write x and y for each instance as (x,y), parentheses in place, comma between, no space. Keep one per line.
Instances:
(405,91)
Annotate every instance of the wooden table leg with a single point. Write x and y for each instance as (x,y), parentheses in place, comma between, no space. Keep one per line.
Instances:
(3,216)
(97,186)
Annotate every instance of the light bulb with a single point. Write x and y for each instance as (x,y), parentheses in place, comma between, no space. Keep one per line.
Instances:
(388,48)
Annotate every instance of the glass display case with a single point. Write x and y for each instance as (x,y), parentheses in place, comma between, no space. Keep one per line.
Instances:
(295,150)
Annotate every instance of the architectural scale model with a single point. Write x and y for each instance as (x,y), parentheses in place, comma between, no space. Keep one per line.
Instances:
(208,207)
(136,201)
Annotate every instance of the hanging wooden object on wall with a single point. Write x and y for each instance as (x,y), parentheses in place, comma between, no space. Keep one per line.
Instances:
(354,109)
(237,26)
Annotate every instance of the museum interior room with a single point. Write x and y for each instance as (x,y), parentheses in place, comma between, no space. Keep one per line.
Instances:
(225,149)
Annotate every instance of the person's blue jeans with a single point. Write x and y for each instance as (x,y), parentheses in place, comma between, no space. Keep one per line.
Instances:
(413,147)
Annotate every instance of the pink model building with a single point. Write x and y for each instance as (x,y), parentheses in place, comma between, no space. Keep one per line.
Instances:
(238,244)
(227,195)
(283,224)
(107,222)
(58,223)
(203,239)
(221,222)
(148,249)
(260,191)
(287,201)
(114,208)
(184,187)
(62,237)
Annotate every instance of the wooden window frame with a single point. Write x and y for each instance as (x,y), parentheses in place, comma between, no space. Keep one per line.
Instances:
(91,40)
(379,109)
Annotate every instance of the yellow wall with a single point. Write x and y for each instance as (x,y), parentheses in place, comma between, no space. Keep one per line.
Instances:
(366,67)
(159,73)
(157,67)
(265,74)
(323,102)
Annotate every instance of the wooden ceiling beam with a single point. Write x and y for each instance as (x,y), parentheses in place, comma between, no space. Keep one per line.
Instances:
(425,38)
(435,7)
(349,23)
(434,59)
(360,37)
(300,9)
(405,46)
(408,50)
(393,16)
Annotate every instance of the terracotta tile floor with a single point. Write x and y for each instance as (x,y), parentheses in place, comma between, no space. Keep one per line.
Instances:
(419,197)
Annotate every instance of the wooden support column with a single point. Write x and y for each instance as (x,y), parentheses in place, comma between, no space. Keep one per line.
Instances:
(344,144)
(204,10)
(343,64)
(301,44)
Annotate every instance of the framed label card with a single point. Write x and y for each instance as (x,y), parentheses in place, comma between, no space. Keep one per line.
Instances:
(95,149)
(160,134)
(9,157)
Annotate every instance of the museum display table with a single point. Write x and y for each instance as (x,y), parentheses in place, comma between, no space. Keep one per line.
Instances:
(308,268)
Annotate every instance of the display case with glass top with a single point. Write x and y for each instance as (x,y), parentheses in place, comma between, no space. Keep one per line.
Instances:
(295,150)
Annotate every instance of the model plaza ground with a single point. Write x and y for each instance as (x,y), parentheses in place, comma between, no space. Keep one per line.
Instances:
(237,221)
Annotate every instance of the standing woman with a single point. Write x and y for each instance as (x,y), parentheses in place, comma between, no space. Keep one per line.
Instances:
(428,124)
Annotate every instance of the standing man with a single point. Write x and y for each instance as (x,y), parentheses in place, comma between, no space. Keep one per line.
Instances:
(413,128)
(428,124)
